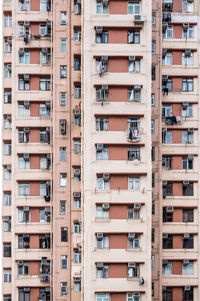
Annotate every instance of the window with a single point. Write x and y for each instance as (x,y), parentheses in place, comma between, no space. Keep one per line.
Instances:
(77,35)
(188,188)
(24,109)
(45,215)
(188,6)
(102,241)
(102,211)
(77,200)
(188,293)
(77,147)
(167,293)
(23,268)
(7,250)
(63,179)
(7,275)
(23,241)
(63,71)
(8,71)
(187,162)
(188,215)
(44,188)
(77,256)
(8,45)
(167,241)
(102,270)
(168,34)
(63,99)
(153,73)
(45,84)
(62,207)
(77,174)
(134,7)
(187,85)
(63,45)
(63,18)
(101,8)
(167,86)
(23,163)
(6,223)
(24,5)
(153,207)
(64,262)
(64,234)
(187,60)
(152,126)
(103,183)
(167,267)
(133,182)
(102,37)
(24,189)
(7,298)
(102,154)
(167,188)
(188,241)
(101,124)
(77,91)
(24,84)
(153,153)
(7,97)
(25,57)
(77,118)
(167,162)
(63,288)
(167,137)
(45,293)
(77,284)
(45,5)
(42,136)
(23,215)
(7,122)
(153,47)
(134,94)
(133,241)
(133,65)
(166,110)
(133,37)
(134,211)
(168,214)
(102,297)
(152,100)
(7,199)
(187,137)
(187,110)
(187,268)
(188,33)
(45,110)
(153,18)
(153,179)
(133,153)
(134,272)
(63,154)
(8,20)
(167,59)
(77,63)
(43,30)
(44,241)
(45,56)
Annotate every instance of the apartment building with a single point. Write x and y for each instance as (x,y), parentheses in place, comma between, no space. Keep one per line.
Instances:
(100,150)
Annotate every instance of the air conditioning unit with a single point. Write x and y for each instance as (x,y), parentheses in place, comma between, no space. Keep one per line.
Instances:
(104,58)
(21,51)
(77,195)
(190,157)
(20,262)
(186,261)
(169,209)
(77,112)
(44,50)
(6,218)
(131,235)
(186,182)
(99,30)
(26,24)
(26,76)
(164,78)
(191,130)
(47,289)
(164,51)
(26,209)
(138,19)
(26,130)
(186,235)
(106,176)
(164,183)
(26,104)
(99,265)
(48,103)
(137,87)
(165,262)
(187,288)
(185,104)
(165,235)
(77,171)
(9,40)
(99,235)
(131,265)
(105,206)
(188,52)
(26,289)
(185,26)
(137,206)
(77,279)
(9,167)
(104,87)
(131,58)
(100,146)
(105,2)
(9,117)
(136,294)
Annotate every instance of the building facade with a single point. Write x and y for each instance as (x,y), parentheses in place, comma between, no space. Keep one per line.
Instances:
(100,150)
